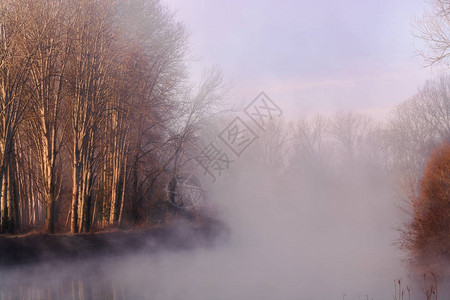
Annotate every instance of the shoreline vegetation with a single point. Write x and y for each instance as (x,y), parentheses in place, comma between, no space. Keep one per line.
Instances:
(98,115)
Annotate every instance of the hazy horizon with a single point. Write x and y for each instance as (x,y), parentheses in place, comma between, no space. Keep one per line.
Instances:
(312,57)
(226,150)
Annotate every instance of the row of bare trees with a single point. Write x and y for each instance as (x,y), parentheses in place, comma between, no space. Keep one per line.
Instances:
(94,109)
(410,148)
(401,144)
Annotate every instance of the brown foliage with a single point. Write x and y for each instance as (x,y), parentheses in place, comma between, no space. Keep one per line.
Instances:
(428,234)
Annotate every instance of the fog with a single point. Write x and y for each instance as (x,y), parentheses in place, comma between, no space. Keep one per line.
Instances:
(321,235)
(304,219)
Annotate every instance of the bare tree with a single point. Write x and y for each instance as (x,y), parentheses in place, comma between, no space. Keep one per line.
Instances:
(350,130)
(161,43)
(418,125)
(88,70)
(434,104)
(434,29)
(14,73)
(196,110)
(273,146)
(309,137)
(48,36)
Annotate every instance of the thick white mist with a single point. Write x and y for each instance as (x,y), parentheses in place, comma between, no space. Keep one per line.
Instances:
(318,235)
(291,239)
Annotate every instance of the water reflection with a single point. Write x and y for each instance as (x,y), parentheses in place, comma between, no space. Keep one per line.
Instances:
(72,289)
(82,280)
(237,270)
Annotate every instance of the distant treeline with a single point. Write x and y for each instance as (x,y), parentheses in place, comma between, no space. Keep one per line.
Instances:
(409,148)
(401,143)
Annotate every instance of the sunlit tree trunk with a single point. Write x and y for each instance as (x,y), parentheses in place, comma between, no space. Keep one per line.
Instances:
(87,106)
(48,76)
(14,73)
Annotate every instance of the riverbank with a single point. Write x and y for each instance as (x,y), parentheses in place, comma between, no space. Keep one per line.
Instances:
(178,234)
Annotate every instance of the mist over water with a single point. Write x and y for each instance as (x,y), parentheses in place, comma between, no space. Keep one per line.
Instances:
(319,236)
(102,114)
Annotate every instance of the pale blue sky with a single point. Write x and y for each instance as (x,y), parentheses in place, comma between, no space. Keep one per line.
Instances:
(310,56)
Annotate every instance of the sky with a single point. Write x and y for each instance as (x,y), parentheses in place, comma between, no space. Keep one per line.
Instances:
(309,56)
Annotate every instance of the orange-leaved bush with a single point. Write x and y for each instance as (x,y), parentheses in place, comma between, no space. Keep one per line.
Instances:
(428,234)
